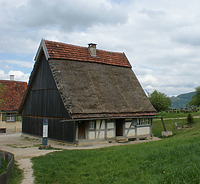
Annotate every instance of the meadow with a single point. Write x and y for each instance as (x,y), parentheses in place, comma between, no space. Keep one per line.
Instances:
(171,160)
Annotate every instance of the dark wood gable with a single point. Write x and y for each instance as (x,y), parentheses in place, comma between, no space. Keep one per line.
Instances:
(44,99)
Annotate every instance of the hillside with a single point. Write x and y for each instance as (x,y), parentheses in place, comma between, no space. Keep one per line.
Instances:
(181,100)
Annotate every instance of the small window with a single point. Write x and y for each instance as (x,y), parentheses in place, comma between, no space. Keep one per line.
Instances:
(91,125)
(144,121)
(10,117)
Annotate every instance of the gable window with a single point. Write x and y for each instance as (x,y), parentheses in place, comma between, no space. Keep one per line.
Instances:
(10,117)
(91,125)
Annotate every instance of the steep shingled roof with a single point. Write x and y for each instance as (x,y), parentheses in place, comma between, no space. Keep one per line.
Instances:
(63,51)
(91,90)
(11,93)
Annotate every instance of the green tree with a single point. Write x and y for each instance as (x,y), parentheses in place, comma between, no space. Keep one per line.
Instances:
(160,101)
(195,100)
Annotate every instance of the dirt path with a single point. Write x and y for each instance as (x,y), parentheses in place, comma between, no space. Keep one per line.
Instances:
(26,166)
(24,148)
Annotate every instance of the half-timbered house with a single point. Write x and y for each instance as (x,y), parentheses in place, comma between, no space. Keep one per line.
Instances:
(86,94)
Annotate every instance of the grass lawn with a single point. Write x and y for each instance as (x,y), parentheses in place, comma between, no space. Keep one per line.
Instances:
(171,160)
(164,114)
(16,175)
(169,124)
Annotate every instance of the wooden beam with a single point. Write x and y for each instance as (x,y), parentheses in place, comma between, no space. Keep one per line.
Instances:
(163,123)
(128,129)
(100,128)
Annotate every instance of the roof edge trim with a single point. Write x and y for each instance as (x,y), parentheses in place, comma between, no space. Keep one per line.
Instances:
(43,47)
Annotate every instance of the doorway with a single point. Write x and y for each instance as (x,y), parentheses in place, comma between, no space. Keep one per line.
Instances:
(119,127)
(81,130)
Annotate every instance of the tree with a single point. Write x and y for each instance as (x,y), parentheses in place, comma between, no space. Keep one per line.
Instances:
(195,100)
(160,101)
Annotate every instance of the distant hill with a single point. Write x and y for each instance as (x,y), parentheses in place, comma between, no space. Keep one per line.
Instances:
(181,100)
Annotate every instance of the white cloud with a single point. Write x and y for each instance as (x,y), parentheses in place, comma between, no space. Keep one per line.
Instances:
(160,38)
(26,64)
(19,76)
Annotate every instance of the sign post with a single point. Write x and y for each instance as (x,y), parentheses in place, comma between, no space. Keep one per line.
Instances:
(176,126)
(45,132)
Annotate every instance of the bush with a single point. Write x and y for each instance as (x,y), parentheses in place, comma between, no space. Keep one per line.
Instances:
(190,119)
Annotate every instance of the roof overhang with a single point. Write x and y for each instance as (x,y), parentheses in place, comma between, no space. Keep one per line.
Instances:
(42,47)
(109,116)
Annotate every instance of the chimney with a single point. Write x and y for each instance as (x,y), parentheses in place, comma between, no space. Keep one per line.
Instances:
(12,77)
(92,49)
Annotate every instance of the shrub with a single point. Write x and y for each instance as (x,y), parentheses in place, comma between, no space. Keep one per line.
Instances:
(190,119)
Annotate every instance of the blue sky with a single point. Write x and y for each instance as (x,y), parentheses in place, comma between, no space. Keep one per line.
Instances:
(160,38)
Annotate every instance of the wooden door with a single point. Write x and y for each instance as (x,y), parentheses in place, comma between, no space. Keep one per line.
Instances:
(81,130)
(119,127)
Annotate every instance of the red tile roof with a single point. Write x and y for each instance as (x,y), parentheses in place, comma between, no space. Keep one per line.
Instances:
(12,93)
(57,50)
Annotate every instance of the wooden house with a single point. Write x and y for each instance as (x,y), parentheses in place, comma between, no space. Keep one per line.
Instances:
(11,94)
(86,94)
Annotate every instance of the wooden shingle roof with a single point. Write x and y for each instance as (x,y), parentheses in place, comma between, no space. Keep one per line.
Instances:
(91,90)
(11,94)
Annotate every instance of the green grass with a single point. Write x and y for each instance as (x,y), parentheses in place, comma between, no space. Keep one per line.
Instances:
(169,124)
(172,160)
(3,165)
(164,114)
(16,175)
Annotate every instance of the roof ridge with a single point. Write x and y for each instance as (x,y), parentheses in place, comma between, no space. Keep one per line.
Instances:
(81,46)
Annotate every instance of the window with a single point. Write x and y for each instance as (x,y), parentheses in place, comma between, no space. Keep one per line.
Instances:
(143,121)
(91,125)
(10,117)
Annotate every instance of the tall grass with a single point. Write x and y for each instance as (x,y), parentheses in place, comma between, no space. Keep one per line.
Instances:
(172,160)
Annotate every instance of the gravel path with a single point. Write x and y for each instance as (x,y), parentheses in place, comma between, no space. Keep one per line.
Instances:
(24,148)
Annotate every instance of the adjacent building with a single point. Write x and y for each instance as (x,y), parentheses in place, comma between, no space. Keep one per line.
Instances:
(11,94)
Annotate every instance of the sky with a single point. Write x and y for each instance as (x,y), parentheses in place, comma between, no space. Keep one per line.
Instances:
(161,38)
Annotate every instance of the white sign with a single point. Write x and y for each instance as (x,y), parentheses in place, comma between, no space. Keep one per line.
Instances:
(45,130)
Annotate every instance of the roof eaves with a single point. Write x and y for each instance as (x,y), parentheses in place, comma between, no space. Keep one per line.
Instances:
(42,46)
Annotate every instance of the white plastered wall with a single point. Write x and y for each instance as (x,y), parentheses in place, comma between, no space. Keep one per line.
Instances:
(99,132)
(143,131)
(129,132)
